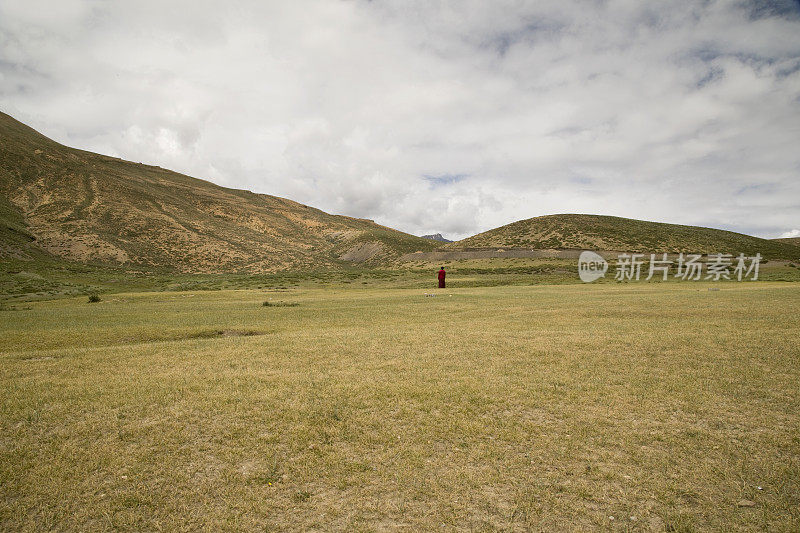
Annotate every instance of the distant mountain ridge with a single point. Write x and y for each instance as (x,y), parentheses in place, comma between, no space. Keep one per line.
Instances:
(81,206)
(599,232)
(436,237)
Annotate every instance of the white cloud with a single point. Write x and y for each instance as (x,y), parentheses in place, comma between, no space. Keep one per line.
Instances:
(790,234)
(682,112)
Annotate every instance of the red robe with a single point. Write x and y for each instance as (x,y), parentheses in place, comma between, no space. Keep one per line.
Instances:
(441,278)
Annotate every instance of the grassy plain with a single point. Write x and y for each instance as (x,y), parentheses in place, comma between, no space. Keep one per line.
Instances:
(629,407)
(48,279)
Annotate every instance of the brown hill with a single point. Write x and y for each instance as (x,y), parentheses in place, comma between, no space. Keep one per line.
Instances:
(597,232)
(87,207)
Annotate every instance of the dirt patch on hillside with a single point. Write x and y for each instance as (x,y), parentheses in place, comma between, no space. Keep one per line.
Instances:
(363,252)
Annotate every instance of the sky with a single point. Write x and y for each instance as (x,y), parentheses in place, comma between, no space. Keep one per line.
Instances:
(432,116)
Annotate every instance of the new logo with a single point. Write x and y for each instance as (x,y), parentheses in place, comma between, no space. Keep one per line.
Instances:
(591,266)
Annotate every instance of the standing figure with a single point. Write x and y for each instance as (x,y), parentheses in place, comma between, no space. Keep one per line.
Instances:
(442,274)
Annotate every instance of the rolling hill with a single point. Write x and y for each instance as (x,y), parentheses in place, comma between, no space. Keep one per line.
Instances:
(794,241)
(60,203)
(597,232)
(66,203)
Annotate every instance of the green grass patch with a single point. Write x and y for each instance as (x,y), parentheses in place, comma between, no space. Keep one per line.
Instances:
(270,303)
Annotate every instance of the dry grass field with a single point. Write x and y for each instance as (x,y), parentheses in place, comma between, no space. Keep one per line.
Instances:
(635,407)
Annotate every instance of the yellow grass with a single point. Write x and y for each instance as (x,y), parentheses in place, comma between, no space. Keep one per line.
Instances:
(619,407)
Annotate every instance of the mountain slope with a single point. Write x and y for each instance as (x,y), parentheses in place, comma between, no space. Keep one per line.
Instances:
(596,232)
(93,208)
(794,241)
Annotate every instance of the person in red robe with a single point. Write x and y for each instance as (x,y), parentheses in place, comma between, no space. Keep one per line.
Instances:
(442,274)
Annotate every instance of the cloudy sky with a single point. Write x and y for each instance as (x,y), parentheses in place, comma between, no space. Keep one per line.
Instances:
(433,116)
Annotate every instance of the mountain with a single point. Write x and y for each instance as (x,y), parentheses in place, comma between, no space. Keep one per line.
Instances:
(597,232)
(86,207)
(58,202)
(436,237)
